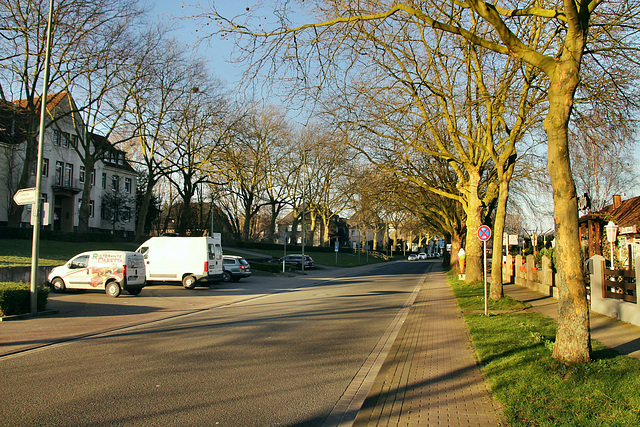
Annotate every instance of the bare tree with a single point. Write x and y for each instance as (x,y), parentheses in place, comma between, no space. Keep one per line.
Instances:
(558,40)
(23,41)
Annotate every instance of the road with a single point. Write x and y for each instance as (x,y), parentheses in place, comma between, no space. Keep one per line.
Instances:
(284,354)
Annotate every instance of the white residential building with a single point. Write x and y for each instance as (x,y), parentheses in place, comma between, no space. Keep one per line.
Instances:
(63,176)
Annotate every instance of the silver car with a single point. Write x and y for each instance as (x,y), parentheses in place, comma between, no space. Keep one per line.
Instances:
(235,268)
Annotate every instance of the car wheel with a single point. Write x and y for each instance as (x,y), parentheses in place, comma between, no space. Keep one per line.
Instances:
(226,276)
(135,291)
(189,282)
(112,289)
(58,285)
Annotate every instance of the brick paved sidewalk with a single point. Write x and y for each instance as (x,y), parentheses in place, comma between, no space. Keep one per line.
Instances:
(430,377)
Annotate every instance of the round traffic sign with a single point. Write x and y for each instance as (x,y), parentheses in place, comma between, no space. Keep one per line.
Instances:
(484,233)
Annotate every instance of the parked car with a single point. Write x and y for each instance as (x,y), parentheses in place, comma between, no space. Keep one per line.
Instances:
(194,261)
(235,268)
(296,259)
(112,271)
(413,257)
(422,255)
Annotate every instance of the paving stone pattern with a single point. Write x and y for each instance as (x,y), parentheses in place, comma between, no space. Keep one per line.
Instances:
(430,377)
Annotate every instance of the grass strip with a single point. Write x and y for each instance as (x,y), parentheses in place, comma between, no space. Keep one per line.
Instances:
(515,351)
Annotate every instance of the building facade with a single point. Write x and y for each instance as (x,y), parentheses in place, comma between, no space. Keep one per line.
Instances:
(112,179)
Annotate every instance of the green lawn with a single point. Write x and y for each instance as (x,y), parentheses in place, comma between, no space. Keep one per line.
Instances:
(534,389)
(14,252)
(325,258)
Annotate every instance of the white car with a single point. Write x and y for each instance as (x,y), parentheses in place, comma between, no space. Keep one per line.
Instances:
(422,255)
(413,257)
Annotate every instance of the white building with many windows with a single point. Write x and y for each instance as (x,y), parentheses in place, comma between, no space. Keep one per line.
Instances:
(113,180)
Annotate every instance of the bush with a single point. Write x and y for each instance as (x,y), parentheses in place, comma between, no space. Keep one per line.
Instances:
(15,298)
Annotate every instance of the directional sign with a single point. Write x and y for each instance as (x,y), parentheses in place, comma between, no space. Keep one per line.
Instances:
(484,233)
(25,196)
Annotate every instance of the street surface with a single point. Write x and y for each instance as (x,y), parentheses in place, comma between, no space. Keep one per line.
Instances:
(264,351)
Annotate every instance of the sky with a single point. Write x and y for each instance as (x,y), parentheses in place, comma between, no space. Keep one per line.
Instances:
(218,51)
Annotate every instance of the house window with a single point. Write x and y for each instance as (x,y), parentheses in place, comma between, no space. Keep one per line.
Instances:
(45,167)
(74,141)
(115,182)
(104,180)
(81,174)
(57,136)
(44,197)
(126,214)
(59,171)
(92,208)
(93,177)
(68,175)
(121,158)
(127,185)
(65,139)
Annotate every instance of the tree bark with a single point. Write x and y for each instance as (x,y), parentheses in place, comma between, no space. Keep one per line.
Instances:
(473,248)
(573,340)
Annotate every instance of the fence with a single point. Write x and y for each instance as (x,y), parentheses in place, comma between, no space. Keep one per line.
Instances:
(614,292)
(524,272)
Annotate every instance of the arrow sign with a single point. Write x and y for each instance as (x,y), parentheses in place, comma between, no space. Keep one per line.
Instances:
(484,233)
(25,196)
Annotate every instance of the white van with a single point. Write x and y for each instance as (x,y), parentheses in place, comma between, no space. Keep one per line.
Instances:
(112,271)
(190,260)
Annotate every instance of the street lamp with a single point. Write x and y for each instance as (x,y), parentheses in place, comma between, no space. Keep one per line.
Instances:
(612,231)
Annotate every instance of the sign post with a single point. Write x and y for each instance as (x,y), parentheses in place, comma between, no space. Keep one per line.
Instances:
(26,196)
(484,234)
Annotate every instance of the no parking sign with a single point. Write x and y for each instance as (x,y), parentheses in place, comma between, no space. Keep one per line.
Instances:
(484,234)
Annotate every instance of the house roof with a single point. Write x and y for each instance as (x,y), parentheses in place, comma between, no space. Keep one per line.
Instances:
(627,214)
(52,100)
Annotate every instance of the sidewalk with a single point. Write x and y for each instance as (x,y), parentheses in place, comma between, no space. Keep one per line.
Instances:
(620,336)
(430,377)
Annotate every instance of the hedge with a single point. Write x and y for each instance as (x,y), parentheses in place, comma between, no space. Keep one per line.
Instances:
(272,267)
(60,236)
(15,298)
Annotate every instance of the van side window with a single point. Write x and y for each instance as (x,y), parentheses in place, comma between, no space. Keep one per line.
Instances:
(144,251)
(218,251)
(79,262)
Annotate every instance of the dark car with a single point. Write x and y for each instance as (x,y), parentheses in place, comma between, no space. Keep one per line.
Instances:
(296,260)
(235,268)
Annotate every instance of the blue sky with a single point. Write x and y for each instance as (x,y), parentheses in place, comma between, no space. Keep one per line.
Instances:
(217,51)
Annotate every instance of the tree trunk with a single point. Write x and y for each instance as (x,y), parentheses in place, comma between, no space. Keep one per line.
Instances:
(456,244)
(573,340)
(496,291)
(146,201)
(85,210)
(473,249)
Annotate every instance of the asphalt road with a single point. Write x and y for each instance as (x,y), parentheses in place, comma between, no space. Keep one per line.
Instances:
(286,356)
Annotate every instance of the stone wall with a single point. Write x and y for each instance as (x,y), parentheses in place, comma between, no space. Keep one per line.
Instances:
(618,309)
(23,274)
(523,272)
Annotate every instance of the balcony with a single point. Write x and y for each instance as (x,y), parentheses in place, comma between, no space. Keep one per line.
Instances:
(72,186)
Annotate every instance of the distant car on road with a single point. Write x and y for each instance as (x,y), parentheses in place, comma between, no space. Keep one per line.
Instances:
(413,257)
(296,259)
(422,255)
(235,268)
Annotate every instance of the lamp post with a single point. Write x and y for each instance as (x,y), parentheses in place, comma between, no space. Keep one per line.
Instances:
(612,230)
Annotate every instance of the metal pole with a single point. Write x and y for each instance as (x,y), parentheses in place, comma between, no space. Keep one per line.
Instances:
(485,279)
(304,195)
(37,207)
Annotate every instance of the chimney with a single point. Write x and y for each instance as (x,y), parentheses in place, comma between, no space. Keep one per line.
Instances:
(617,201)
